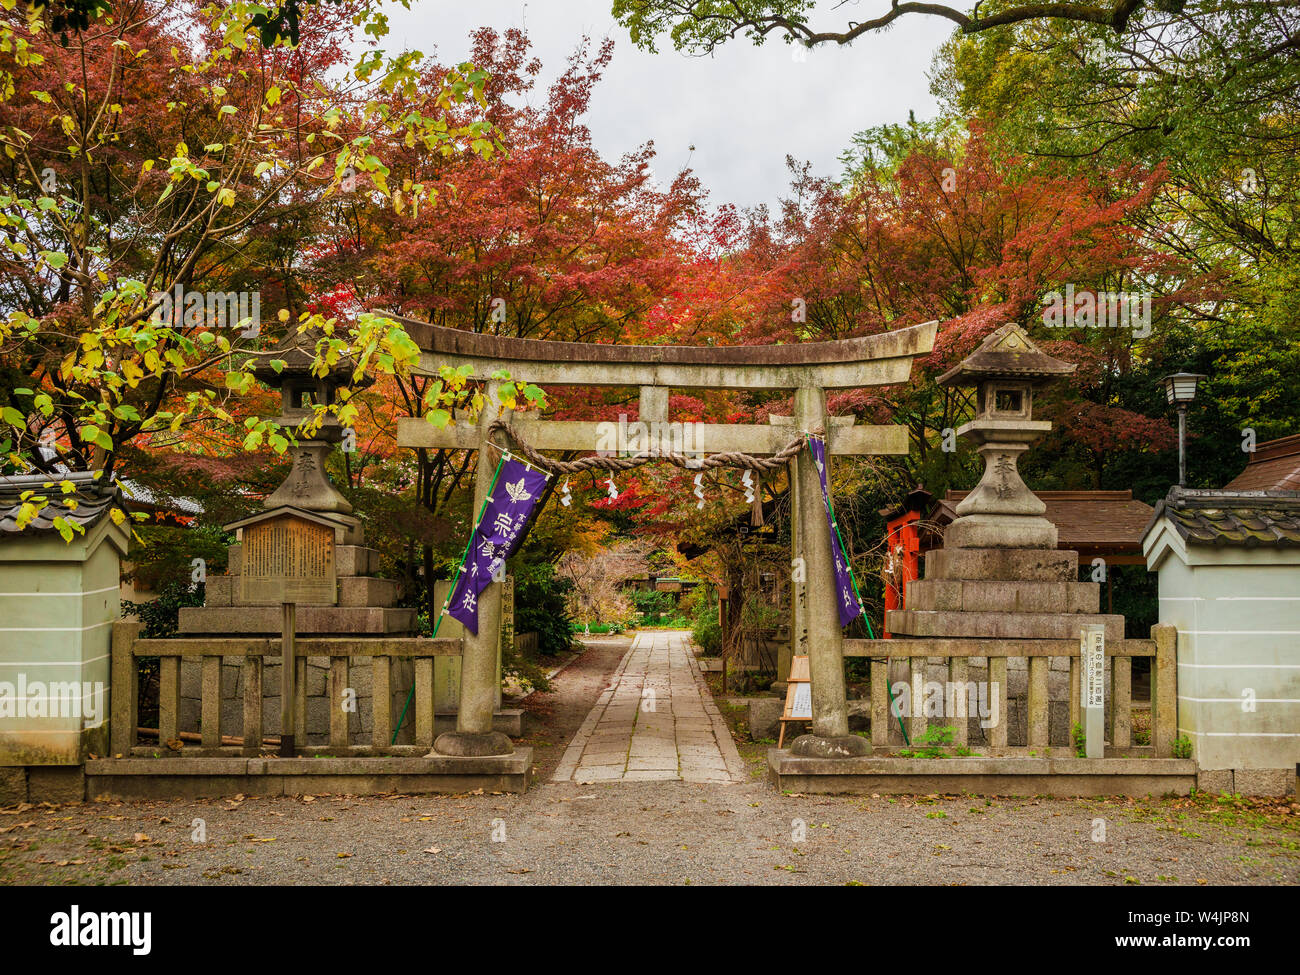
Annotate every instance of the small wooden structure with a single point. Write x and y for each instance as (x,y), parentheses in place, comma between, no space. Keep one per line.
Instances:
(798,697)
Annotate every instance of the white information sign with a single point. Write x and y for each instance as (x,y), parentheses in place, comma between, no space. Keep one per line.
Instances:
(1092,688)
(801,706)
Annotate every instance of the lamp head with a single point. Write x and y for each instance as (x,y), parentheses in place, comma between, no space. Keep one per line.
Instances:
(1180,388)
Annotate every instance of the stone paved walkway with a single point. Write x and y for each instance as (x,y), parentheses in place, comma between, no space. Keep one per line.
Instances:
(656,720)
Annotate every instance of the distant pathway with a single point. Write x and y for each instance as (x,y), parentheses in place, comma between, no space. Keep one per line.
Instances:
(656,720)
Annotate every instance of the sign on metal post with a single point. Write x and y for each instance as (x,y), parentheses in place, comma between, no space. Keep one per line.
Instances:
(1092,688)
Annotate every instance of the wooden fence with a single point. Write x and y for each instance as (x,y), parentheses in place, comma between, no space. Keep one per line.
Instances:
(958,653)
(252,653)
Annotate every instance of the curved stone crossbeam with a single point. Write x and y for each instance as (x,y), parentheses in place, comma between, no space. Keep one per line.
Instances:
(872,360)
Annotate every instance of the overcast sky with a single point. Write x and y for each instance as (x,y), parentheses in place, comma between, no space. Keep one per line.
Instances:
(743,109)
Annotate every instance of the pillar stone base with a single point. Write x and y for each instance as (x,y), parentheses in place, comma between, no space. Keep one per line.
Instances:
(840,746)
(1000,531)
(464,743)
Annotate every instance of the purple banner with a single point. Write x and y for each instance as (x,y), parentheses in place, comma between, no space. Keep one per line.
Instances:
(846,596)
(500,531)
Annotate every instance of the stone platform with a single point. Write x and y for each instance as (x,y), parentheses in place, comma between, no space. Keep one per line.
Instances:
(1012,776)
(194,778)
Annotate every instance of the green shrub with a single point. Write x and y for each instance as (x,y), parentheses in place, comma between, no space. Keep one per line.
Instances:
(1079,739)
(706,630)
(651,602)
(541,607)
(159,618)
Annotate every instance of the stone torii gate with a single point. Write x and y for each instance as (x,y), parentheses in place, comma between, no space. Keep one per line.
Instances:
(809,369)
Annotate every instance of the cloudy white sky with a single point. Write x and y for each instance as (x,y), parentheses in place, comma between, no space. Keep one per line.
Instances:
(743,109)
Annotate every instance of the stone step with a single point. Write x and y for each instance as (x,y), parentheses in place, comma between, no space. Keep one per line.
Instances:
(988,596)
(324,620)
(1008,626)
(1002,564)
(368,591)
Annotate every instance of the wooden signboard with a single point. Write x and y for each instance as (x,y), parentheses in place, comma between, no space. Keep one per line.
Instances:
(288,560)
(798,696)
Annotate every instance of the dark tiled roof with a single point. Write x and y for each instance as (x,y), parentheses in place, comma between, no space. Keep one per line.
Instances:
(1112,520)
(1221,518)
(1274,466)
(93,498)
(1006,352)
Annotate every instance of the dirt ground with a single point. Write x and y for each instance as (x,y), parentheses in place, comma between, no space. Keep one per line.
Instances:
(651,832)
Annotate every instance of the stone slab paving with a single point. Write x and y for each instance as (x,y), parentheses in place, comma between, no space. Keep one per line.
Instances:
(655,721)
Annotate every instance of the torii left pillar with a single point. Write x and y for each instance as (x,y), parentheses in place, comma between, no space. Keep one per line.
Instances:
(830,736)
(478,667)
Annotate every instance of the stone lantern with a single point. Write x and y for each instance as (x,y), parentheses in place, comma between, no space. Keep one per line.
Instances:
(305,548)
(301,390)
(1001,512)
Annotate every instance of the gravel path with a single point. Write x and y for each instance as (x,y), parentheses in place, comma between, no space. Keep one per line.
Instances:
(649,832)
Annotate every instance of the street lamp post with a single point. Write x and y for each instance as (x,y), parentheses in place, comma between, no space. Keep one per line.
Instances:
(1180,389)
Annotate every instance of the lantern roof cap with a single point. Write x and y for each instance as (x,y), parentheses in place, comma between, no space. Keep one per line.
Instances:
(1007,353)
(297,349)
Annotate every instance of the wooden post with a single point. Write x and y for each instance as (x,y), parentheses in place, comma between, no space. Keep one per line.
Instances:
(210,701)
(1092,658)
(169,699)
(288,694)
(252,729)
(424,710)
(339,721)
(1164,689)
(880,716)
(124,691)
(381,701)
(997,736)
(960,704)
(1121,701)
(1038,727)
